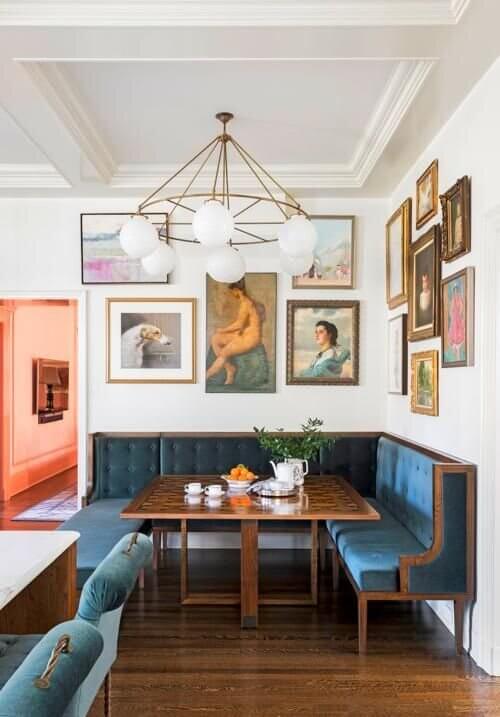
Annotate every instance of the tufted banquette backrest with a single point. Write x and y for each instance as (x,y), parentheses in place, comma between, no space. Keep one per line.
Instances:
(405,487)
(123,464)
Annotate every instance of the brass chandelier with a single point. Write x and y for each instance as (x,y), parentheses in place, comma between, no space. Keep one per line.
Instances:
(221,220)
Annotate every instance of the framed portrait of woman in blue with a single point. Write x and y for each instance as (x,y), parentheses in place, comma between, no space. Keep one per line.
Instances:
(323,343)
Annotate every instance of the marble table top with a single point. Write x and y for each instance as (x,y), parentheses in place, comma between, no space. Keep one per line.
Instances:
(24,554)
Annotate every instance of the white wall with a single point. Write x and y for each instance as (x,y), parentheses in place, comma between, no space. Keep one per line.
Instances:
(468,144)
(41,250)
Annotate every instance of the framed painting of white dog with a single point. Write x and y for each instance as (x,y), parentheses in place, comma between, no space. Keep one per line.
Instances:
(151,340)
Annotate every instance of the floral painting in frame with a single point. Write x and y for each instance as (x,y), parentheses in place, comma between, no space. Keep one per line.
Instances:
(151,340)
(425,383)
(103,259)
(427,195)
(398,355)
(322,342)
(425,267)
(457,319)
(333,265)
(397,237)
(456,233)
(241,335)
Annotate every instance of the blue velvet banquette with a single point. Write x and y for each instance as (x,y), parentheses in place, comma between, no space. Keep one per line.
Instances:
(421,548)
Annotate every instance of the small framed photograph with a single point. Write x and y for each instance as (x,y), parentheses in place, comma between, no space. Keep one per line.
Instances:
(398,355)
(103,259)
(425,383)
(151,340)
(423,321)
(456,233)
(397,240)
(457,319)
(323,343)
(427,195)
(334,255)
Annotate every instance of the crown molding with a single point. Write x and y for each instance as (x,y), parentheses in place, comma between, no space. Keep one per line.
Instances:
(51,81)
(210,13)
(398,96)
(31,176)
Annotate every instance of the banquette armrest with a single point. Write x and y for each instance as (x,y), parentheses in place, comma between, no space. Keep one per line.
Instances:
(447,567)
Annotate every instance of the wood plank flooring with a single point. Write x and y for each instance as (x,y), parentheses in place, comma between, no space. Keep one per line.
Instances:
(196,660)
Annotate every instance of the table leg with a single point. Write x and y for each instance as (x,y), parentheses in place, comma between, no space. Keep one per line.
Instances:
(249,573)
(314,562)
(184,560)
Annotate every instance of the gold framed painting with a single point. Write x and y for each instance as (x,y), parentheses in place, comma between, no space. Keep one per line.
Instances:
(322,343)
(397,240)
(457,319)
(425,268)
(427,195)
(425,383)
(150,340)
(456,231)
(334,255)
(241,334)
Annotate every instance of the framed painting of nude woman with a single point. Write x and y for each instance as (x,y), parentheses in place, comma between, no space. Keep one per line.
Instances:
(241,335)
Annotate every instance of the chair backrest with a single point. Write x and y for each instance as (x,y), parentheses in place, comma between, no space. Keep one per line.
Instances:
(101,604)
(405,487)
(35,689)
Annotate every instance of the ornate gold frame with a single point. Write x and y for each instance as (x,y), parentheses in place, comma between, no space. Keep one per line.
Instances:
(433,170)
(431,236)
(425,356)
(462,188)
(405,212)
(291,306)
(150,299)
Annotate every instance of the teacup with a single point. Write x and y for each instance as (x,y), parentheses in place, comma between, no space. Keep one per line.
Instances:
(213,491)
(193,488)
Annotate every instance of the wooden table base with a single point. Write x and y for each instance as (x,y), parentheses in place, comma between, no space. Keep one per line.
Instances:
(248,597)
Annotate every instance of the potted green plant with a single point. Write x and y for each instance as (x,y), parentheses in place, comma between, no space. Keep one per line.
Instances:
(297,449)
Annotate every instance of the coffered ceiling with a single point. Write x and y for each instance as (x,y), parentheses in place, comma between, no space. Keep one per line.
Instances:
(336,98)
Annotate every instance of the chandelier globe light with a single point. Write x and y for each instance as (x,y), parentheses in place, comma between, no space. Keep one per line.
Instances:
(160,262)
(296,265)
(139,237)
(226,265)
(224,218)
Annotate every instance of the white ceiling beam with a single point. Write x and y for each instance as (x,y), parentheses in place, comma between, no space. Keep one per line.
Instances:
(214,13)
(52,82)
(31,176)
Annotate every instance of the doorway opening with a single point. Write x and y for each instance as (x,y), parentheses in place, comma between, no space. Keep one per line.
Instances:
(39,400)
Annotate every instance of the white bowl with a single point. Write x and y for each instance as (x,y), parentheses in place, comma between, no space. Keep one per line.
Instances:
(237,486)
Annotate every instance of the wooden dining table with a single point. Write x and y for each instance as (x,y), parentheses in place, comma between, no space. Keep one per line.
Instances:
(320,498)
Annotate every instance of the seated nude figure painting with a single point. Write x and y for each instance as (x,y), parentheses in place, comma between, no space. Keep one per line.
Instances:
(237,358)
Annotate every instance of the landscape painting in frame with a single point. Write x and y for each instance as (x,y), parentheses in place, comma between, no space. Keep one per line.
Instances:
(427,194)
(333,266)
(103,259)
(457,307)
(398,355)
(322,342)
(398,230)
(151,340)
(424,286)
(424,383)
(241,335)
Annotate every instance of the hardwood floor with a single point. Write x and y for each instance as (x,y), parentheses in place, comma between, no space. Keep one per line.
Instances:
(29,497)
(196,660)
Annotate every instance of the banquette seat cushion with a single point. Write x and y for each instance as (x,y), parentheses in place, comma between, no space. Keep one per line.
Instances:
(100,528)
(371,549)
(404,499)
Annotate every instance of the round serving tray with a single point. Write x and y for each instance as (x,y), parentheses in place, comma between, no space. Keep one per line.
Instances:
(266,492)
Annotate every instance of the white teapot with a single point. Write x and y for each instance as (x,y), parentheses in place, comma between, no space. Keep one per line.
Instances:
(300,468)
(284,473)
